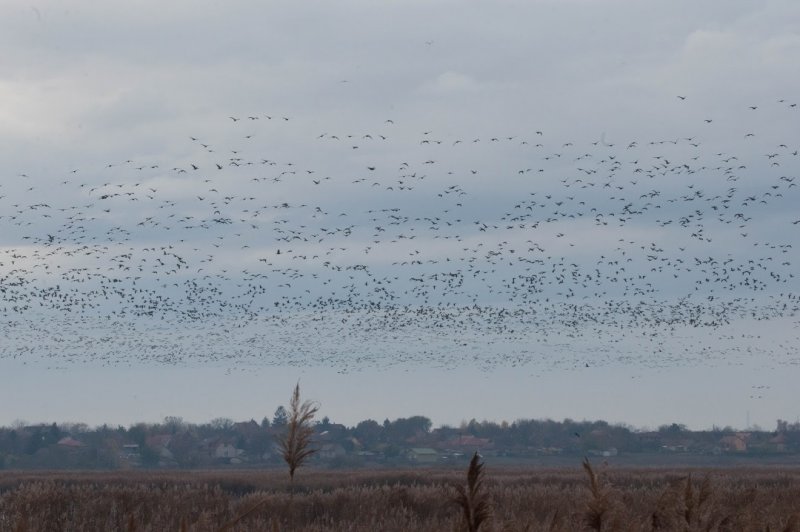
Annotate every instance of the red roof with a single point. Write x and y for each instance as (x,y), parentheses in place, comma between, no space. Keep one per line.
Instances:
(70,442)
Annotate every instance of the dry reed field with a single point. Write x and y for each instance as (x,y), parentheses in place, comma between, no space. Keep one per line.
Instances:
(589,498)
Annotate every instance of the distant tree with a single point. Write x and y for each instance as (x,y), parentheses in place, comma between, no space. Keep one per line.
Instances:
(13,440)
(184,447)
(138,434)
(36,441)
(672,430)
(75,428)
(149,456)
(53,434)
(174,424)
(280,417)
(368,432)
(265,423)
(403,429)
(222,424)
(260,445)
(392,451)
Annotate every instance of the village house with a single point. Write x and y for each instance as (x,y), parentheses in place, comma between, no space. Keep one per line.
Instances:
(779,443)
(422,455)
(467,443)
(330,451)
(69,442)
(160,444)
(225,451)
(735,442)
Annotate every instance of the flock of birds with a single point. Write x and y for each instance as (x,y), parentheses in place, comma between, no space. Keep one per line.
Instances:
(274,244)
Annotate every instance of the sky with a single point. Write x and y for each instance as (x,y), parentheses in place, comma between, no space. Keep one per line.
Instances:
(490,210)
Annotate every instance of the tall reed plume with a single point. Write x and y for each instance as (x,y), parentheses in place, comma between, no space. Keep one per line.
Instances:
(473,499)
(597,510)
(295,445)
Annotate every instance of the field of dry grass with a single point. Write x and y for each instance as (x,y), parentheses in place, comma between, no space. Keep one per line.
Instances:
(402,500)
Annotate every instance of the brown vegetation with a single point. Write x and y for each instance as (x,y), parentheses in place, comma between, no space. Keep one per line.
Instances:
(473,499)
(295,445)
(401,500)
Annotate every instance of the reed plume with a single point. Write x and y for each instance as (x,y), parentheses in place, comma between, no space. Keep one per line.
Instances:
(598,507)
(295,444)
(473,499)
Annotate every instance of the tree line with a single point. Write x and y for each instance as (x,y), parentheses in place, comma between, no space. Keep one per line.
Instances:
(176,443)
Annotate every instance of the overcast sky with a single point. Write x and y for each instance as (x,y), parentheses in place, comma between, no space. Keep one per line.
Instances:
(582,209)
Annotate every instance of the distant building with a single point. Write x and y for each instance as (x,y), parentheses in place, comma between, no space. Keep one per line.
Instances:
(735,442)
(159,441)
(70,442)
(611,451)
(225,451)
(330,451)
(467,442)
(779,442)
(160,444)
(130,450)
(422,455)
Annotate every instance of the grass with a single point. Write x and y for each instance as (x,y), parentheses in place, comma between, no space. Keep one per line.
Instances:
(401,500)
